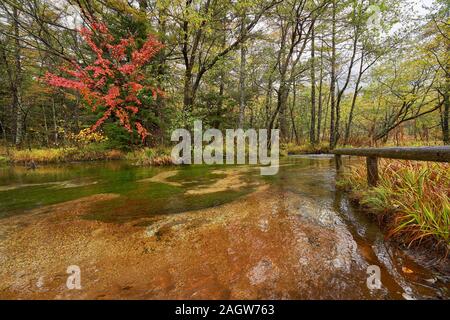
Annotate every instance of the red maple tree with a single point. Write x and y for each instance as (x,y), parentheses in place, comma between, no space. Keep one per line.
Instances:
(115,80)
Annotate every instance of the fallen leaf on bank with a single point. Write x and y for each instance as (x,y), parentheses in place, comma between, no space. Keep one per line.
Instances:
(407,270)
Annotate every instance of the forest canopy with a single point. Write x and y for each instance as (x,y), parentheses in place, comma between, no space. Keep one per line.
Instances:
(347,72)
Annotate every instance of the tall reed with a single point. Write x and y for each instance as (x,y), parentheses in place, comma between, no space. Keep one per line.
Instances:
(414,195)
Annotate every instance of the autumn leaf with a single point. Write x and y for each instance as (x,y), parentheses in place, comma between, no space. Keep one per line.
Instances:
(112,80)
(407,270)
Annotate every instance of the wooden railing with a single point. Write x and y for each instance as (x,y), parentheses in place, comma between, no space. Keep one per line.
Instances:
(436,154)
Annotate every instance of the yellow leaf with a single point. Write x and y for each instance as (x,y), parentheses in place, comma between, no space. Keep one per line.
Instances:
(407,270)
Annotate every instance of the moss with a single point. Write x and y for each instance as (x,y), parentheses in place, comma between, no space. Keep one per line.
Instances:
(127,208)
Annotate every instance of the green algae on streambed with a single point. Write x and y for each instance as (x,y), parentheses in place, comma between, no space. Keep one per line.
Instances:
(22,190)
(159,200)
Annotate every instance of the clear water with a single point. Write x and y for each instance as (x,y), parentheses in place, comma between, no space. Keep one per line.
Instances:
(144,195)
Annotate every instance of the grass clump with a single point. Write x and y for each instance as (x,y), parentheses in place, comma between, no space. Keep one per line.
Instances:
(87,152)
(54,155)
(293,149)
(150,157)
(3,161)
(412,199)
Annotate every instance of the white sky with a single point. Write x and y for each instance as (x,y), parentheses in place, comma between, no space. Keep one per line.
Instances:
(420,3)
(419,6)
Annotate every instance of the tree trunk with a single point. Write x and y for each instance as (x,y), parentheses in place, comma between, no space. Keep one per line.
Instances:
(55,126)
(294,102)
(446,114)
(45,125)
(355,95)
(283,94)
(268,101)
(319,112)
(187,93)
(341,92)
(242,79)
(312,133)
(5,141)
(445,121)
(17,97)
(19,116)
(327,99)
(333,80)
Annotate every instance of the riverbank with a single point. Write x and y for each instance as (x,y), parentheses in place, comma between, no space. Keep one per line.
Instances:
(299,149)
(157,156)
(145,156)
(89,152)
(410,203)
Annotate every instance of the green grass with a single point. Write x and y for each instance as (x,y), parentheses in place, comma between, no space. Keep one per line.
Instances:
(293,149)
(88,152)
(413,196)
(150,156)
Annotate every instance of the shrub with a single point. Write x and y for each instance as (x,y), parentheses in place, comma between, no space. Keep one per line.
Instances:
(87,136)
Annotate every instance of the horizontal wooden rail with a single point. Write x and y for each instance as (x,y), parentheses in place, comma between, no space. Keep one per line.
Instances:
(436,154)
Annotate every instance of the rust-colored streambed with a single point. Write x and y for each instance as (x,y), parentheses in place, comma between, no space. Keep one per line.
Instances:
(198,232)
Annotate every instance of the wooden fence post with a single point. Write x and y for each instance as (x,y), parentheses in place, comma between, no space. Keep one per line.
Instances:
(372,171)
(338,161)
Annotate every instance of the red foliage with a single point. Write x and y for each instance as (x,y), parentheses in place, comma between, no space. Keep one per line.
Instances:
(115,80)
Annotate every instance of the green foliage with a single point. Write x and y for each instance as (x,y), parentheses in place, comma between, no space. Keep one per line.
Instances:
(405,65)
(118,137)
(3,161)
